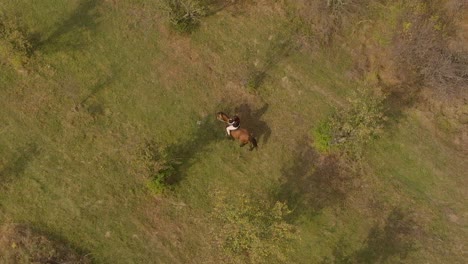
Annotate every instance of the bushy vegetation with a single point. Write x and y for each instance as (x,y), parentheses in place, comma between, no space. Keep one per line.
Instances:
(253,228)
(16,43)
(350,128)
(20,244)
(184,15)
(421,46)
(161,167)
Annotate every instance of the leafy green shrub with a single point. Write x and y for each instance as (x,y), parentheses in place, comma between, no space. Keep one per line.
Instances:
(158,181)
(184,15)
(322,135)
(349,129)
(160,165)
(253,228)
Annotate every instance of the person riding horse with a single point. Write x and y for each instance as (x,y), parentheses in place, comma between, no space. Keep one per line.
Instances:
(233,124)
(233,129)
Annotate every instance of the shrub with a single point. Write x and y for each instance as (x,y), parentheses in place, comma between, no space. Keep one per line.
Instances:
(184,15)
(324,20)
(349,129)
(16,43)
(322,135)
(253,227)
(161,167)
(421,47)
(20,244)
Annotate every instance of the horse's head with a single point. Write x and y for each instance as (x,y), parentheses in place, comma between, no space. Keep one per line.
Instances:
(222,117)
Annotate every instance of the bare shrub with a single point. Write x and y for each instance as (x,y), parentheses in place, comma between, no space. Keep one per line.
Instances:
(324,20)
(421,49)
(20,244)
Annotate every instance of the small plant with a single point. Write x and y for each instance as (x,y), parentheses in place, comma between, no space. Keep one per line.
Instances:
(15,41)
(12,32)
(254,80)
(335,4)
(158,181)
(184,15)
(160,165)
(323,138)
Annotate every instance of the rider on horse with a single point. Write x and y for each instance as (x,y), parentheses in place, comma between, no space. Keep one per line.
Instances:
(233,124)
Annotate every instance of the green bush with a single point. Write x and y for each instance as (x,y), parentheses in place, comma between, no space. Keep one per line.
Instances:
(160,166)
(15,42)
(322,135)
(17,36)
(253,228)
(184,15)
(350,128)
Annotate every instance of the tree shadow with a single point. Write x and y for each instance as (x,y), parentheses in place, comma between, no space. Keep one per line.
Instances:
(184,153)
(89,103)
(37,239)
(216,6)
(312,182)
(252,121)
(399,98)
(280,47)
(81,22)
(397,238)
(16,167)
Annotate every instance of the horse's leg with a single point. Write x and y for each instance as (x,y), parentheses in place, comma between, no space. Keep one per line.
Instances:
(253,143)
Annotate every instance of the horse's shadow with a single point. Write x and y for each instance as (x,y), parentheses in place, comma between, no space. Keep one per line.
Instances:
(251,120)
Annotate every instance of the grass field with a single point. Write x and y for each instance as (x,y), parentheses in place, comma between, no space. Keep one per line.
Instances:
(106,79)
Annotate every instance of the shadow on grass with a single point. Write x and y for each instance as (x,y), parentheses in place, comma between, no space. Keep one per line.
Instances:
(45,246)
(252,121)
(73,32)
(89,103)
(216,6)
(16,168)
(313,182)
(280,47)
(399,99)
(390,243)
(184,153)
(396,238)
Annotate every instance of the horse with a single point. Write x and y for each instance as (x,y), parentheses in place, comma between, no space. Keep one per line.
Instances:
(240,134)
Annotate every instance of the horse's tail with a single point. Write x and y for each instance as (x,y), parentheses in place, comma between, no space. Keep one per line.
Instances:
(253,141)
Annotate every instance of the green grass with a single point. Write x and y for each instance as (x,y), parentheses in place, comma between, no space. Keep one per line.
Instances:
(111,76)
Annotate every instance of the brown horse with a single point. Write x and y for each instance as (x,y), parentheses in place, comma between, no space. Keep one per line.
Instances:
(240,134)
